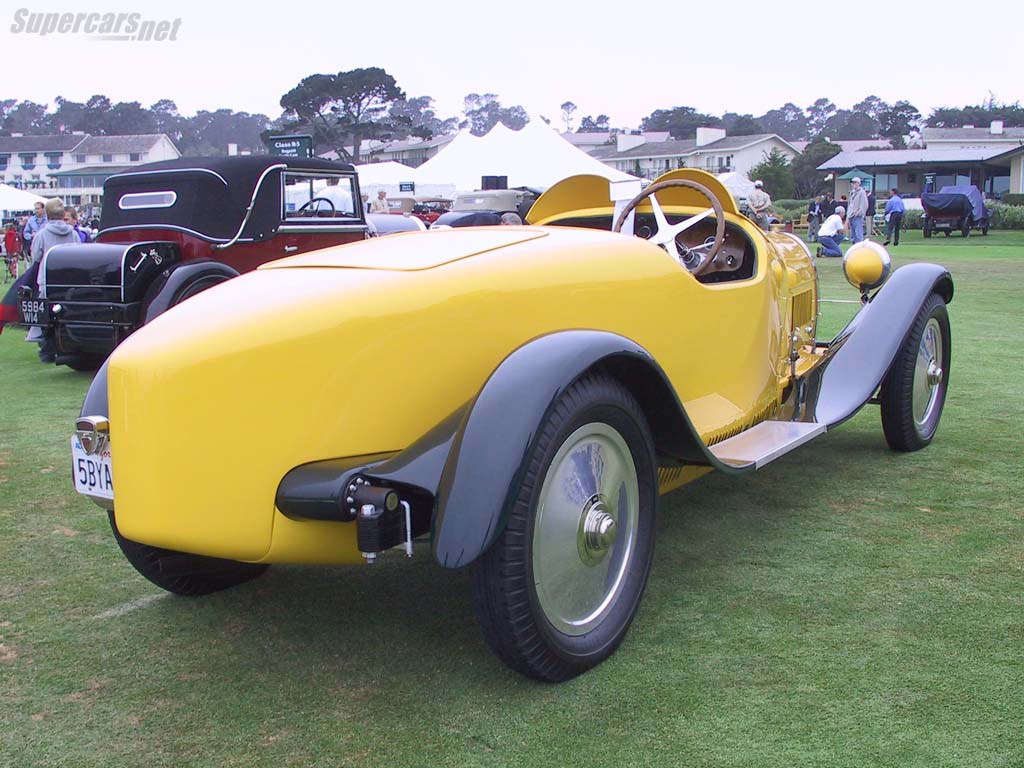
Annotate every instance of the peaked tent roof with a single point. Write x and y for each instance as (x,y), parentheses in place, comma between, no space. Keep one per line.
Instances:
(13,199)
(535,156)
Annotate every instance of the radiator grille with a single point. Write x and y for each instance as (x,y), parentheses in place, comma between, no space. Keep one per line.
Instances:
(803,308)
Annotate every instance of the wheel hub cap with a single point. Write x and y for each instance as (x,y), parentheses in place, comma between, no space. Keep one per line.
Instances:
(584,531)
(928,373)
(597,531)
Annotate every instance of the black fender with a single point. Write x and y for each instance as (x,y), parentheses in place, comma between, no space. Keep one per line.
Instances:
(181,276)
(481,477)
(861,355)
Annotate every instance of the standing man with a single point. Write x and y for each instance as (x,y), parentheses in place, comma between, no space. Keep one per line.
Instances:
(760,203)
(380,205)
(856,210)
(894,217)
(815,213)
(831,233)
(35,223)
(869,220)
(54,233)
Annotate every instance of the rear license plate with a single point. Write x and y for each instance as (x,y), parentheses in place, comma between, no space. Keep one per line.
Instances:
(93,474)
(34,311)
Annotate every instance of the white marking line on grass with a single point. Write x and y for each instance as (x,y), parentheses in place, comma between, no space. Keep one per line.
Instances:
(124,608)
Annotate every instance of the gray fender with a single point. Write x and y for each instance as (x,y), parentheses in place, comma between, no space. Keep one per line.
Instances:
(182,276)
(861,355)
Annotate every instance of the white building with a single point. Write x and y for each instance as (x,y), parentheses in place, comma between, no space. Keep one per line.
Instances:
(74,166)
(712,150)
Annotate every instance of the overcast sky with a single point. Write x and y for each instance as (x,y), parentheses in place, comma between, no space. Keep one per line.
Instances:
(624,63)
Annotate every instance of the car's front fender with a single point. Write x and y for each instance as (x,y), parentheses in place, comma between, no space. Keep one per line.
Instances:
(862,353)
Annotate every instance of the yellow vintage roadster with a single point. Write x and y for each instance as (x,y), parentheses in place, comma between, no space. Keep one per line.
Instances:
(519,396)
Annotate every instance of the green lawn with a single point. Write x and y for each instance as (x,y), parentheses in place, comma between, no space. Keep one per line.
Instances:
(848,606)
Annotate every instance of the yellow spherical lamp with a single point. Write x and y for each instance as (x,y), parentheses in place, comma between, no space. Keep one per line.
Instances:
(867,265)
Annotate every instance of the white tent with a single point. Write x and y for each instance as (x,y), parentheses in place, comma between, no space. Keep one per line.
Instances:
(13,199)
(389,175)
(384,173)
(738,184)
(535,156)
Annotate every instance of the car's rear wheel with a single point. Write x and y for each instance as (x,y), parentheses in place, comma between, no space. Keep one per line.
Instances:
(914,391)
(927,228)
(85,362)
(557,591)
(965,228)
(181,573)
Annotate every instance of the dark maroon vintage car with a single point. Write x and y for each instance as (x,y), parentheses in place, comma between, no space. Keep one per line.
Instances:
(172,229)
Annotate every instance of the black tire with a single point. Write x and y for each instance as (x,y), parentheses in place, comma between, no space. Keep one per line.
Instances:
(947,232)
(965,228)
(927,228)
(181,573)
(85,363)
(984,227)
(515,595)
(910,425)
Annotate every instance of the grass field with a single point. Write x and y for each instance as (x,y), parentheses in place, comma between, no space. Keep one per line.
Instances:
(848,606)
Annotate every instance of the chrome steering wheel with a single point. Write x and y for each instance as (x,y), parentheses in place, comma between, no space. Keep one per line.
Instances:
(698,258)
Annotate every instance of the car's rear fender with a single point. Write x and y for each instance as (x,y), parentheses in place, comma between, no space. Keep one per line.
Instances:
(166,293)
(480,479)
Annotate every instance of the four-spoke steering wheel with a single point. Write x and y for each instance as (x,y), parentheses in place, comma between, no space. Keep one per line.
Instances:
(697,259)
(306,205)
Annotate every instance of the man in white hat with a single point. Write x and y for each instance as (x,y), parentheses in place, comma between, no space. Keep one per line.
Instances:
(760,202)
(856,210)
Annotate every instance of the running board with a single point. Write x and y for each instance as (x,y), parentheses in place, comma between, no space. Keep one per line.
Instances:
(765,442)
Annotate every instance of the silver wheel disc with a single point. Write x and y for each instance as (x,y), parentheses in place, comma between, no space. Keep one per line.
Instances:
(585,528)
(928,374)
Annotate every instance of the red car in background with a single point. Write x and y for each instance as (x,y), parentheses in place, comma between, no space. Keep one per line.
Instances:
(172,229)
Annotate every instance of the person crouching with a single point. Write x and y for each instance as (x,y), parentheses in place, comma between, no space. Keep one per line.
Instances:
(830,235)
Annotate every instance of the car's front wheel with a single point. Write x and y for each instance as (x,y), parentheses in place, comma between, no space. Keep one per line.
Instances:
(560,586)
(914,391)
(181,573)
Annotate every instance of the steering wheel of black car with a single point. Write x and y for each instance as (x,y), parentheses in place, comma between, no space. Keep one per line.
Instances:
(306,205)
(698,258)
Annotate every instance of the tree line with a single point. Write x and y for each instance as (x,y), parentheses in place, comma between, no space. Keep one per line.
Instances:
(205,133)
(341,110)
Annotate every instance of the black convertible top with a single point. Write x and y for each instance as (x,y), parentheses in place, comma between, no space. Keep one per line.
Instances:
(212,194)
(240,169)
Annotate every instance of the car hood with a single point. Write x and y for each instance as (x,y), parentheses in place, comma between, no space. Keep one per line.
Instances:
(394,252)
